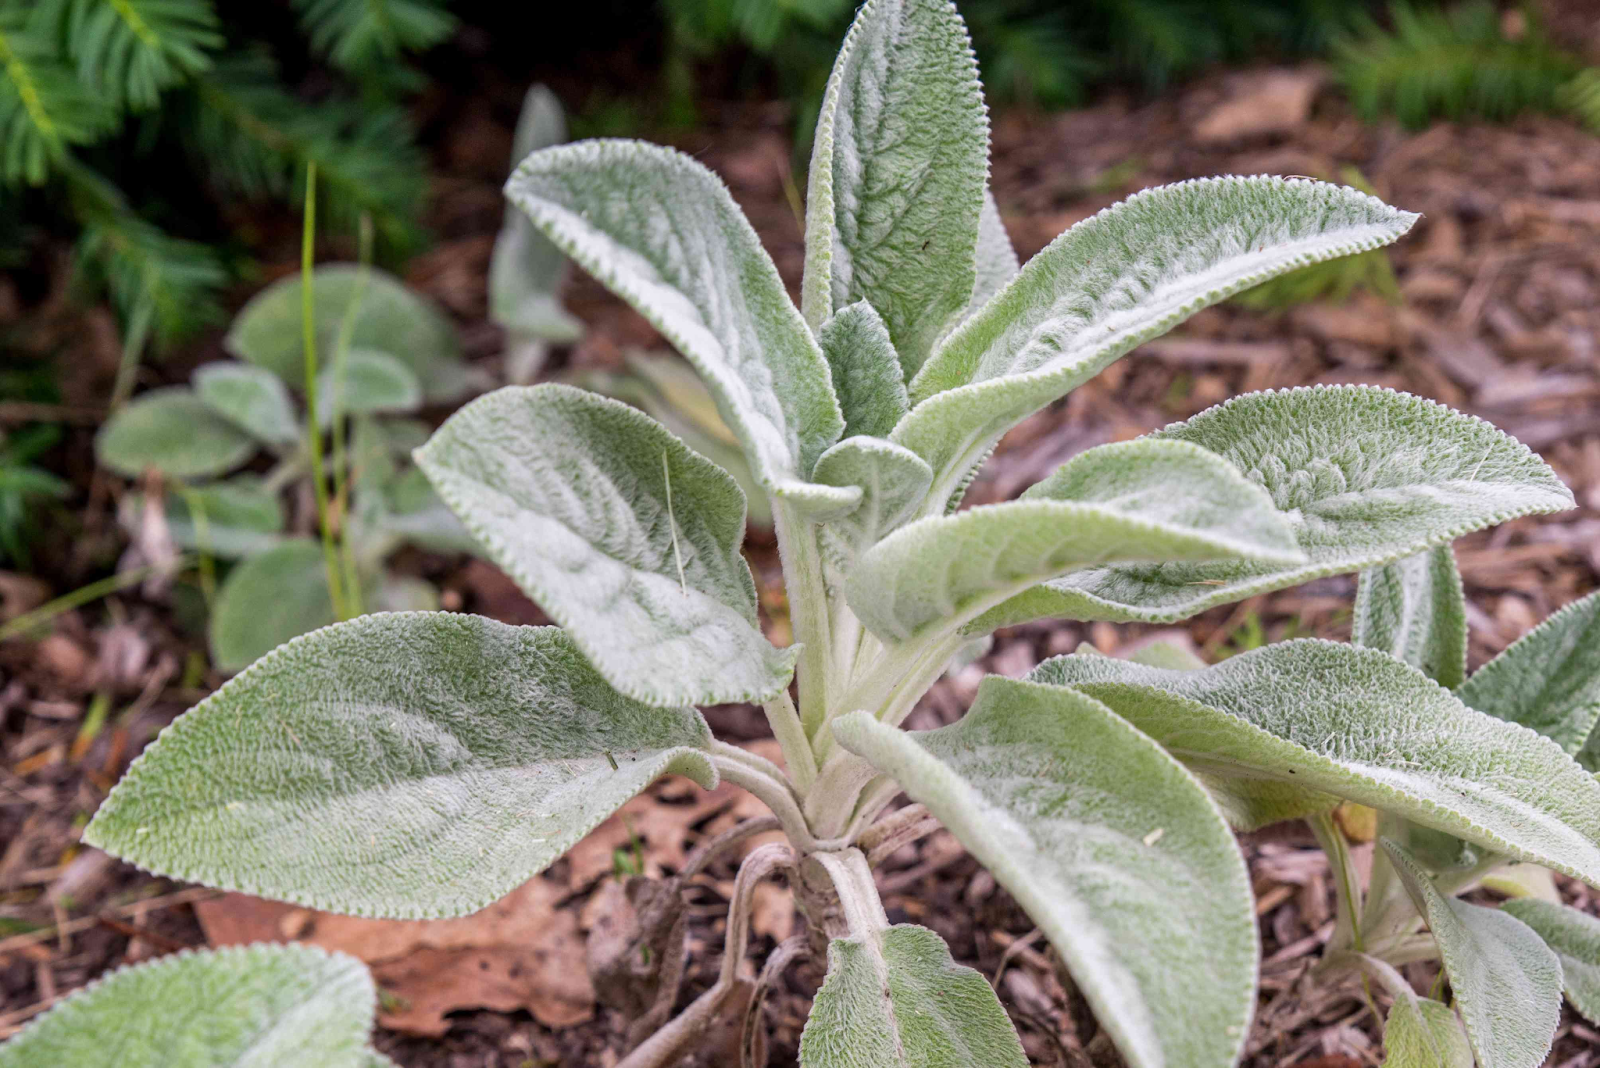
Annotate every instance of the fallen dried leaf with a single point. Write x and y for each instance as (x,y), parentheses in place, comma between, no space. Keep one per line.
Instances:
(519,953)
(1271,102)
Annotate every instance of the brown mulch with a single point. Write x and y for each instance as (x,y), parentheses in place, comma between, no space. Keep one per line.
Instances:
(1501,318)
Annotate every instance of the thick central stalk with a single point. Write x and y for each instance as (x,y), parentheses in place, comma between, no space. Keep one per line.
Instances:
(808,611)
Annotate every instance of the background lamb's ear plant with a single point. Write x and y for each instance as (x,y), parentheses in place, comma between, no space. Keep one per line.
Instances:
(237,409)
(254,1005)
(389,318)
(668,390)
(526,271)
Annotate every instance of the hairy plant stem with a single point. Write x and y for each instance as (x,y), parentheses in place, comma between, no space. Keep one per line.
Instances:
(896,831)
(860,906)
(1347,892)
(708,851)
(285,471)
(829,805)
(801,556)
(1385,973)
(791,736)
(890,685)
(736,766)
(874,798)
(1347,887)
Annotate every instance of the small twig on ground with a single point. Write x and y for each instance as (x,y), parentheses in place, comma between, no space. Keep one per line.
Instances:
(83,923)
(750,1033)
(1018,948)
(160,941)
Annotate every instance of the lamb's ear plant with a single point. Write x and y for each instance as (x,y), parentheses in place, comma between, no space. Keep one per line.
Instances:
(1507,968)
(259,1006)
(386,353)
(526,270)
(674,395)
(424,764)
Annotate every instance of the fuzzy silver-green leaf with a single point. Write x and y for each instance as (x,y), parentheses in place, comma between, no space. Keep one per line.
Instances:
(252,397)
(1506,981)
(996,258)
(1112,847)
(660,231)
(1139,500)
(267,599)
(1414,609)
(525,269)
(1422,1033)
(620,532)
(1575,937)
(1549,680)
(174,432)
(258,1006)
(408,764)
(866,372)
(892,481)
(1116,280)
(1366,476)
(898,173)
(1314,718)
(372,382)
(233,518)
(895,999)
(391,319)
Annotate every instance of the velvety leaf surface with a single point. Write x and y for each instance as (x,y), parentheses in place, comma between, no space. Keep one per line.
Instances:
(1549,680)
(1506,981)
(866,371)
(660,231)
(1116,280)
(1365,476)
(410,765)
(250,397)
(1135,501)
(1356,723)
(898,173)
(1414,610)
(892,482)
(259,1006)
(1111,846)
(372,382)
(1575,937)
(266,600)
(623,535)
(997,259)
(526,270)
(897,1000)
(1422,1033)
(173,431)
(391,319)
